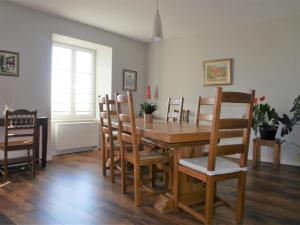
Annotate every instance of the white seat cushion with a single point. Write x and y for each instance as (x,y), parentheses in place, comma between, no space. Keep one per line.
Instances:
(223,166)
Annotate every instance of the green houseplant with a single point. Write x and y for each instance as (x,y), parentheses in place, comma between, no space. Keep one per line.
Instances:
(148,108)
(288,122)
(265,119)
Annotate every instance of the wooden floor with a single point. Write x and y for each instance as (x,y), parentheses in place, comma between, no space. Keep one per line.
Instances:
(71,190)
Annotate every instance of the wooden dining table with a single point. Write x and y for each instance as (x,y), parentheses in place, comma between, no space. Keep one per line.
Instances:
(182,139)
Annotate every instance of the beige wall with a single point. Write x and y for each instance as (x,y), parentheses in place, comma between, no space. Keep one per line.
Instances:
(266,58)
(30,33)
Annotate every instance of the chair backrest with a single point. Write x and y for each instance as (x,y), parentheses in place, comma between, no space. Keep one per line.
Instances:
(126,101)
(209,101)
(20,123)
(185,115)
(230,127)
(175,114)
(106,112)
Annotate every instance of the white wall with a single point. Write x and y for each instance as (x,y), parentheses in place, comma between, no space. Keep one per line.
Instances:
(266,58)
(30,33)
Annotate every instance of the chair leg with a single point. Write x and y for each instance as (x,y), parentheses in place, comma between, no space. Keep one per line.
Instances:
(112,165)
(33,164)
(5,165)
(28,156)
(137,180)
(123,174)
(103,160)
(241,197)
(209,200)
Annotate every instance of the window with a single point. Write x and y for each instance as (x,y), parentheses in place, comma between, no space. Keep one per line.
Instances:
(73,82)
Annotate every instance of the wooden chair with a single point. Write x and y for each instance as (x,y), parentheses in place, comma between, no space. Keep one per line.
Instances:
(175,114)
(20,135)
(203,117)
(110,149)
(214,168)
(185,115)
(136,158)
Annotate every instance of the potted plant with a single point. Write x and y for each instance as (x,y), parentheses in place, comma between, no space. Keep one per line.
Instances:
(148,108)
(288,122)
(265,119)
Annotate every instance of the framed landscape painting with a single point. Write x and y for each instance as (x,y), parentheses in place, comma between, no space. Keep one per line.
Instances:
(129,80)
(217,72)
(9,63)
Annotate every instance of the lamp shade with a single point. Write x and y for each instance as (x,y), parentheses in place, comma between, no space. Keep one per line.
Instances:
(157,28)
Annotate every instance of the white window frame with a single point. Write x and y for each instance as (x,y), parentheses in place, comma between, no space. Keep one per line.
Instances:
(72,116)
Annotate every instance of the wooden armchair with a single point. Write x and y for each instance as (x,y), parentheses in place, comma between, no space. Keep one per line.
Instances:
(214,168)
(137,158)
(20,134)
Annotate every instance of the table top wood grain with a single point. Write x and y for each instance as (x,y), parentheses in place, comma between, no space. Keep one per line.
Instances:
(170,132)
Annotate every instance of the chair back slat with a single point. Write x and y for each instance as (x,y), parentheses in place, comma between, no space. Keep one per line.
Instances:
(233,123)
(22,121)
(175,101)
(122,99)
(230,127)
(103,115)
(124,118)
(205,116)
(236,133)
(176,113)
(105,130)
(128,117)
(230,149)
(236,97)
(206,101)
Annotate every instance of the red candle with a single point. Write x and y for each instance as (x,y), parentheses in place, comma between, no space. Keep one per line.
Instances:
(148,92)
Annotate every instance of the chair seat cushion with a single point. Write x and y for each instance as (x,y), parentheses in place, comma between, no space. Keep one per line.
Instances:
(16,143)
(223,166)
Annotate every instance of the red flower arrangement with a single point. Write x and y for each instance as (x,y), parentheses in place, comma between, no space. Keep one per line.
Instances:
(259,100)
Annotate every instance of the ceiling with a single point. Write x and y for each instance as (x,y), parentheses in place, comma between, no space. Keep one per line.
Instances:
(134,18)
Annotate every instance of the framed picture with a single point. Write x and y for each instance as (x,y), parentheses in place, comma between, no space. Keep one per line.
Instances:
(129,80)
(217,72)
(9,63)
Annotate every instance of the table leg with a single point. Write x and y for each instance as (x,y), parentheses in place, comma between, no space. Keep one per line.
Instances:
(44,143)
(190,193)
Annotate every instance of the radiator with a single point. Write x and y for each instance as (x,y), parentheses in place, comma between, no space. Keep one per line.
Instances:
(76,135)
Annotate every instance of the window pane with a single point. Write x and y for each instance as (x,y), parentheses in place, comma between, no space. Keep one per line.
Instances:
(61,108)
(61,81)
(83,83)
(61,58)
(84,62)
(83,98)
(83,108)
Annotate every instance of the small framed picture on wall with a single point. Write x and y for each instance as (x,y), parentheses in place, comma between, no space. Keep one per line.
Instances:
(129,80)
(9,63)
(217,72)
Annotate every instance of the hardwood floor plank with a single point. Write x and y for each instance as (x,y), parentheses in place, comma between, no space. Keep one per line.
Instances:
(71,190)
